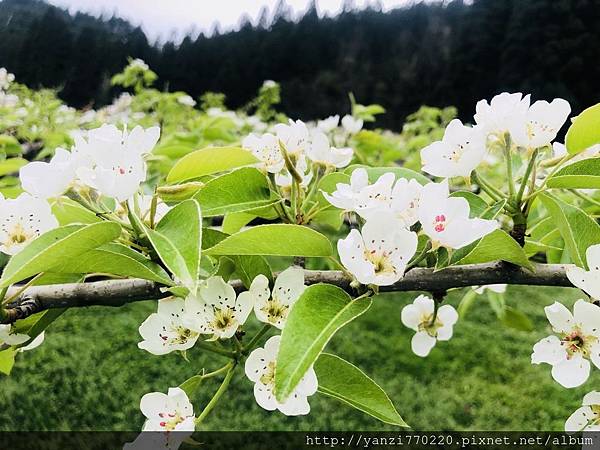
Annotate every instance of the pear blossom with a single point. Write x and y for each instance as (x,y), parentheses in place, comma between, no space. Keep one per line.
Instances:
(294,136)
(320,152)
(22,220)
(8,100)
(169,421)
(186,100)
(266,149)
(260,369)
(8,336)
(588,280)
(579,342)
(352,125)
(446,219)
(375,198)
(429,325)
(459,152)
(404,205)
(274,306)
(215,309)
(379,253)
(329,124)
(164,331)
(497,288)
(587,417)
(139,63)
(542,123)
(118,166)
(346,195)
(51,179)
(502,113)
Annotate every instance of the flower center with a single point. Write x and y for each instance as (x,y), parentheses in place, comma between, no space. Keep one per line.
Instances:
(429,325)
(275,310)
(18,235)
(576,342)
(268,377)
(224,318)
(381,261)
(171,420)
(439,223)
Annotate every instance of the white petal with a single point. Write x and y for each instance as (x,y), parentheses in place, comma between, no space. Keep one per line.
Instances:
(571,372)
(587,281)
(153,404)
(548,350)
(591,398)
(422,343)
(579,420)
(295,405)
(289,285)
(264,397)
(587,315)
(559,317)
(411,317)
(256,364)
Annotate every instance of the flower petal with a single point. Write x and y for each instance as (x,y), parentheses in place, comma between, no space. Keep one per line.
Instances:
(422,344)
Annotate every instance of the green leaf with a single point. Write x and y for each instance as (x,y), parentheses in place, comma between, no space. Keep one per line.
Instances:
(466,302)
(7,360)
(211,237)
(178,192)
(190,386)
(477,205)
(178,241)
(274,240)
(497,246)
(329,184)
(115,259)
(248,267)
(577,228)
(319,313)
(400,172)
(54,247)
(583,174)
(513,318)
(492,211)
(208,161)
(346,382)
(11,165)
(584,131)
(68,211)
(241,190)
(233,222)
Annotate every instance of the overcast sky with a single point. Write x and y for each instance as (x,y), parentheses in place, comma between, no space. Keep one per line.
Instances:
(159,17)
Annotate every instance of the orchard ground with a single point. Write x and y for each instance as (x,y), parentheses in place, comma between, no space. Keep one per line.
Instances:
(90,375)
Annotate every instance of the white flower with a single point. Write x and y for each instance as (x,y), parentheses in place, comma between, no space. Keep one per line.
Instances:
(266,149)
(345,195)
(502,113)
(379,254)
(260,369)
(216,310)
(139,63)
(586,418)
(406,196)
(294,136)
(419,315)
(446,219)
(170,414)
(579,342)
(118,166)
(22,220)
(186,100)
(460,151)
(498,288)
(8,100)
(319,151)
(329,124)
(5,78)
(39,340)
(352,125)
(165,331)
(542,123)
(375,198)
(9,337)
(51,179)
(274,307)
(588,280)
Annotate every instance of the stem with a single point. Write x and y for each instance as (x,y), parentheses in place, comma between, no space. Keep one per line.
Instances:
(488,189)
(214,373)
(255,339)
(212,348)
(530,166)
(213,401)
(509,171)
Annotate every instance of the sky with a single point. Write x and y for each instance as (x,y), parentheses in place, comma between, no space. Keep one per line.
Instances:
(159,18)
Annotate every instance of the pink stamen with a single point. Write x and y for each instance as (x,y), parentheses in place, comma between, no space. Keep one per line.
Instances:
(440,223)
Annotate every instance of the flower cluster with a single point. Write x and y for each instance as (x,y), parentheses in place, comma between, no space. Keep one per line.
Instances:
(7,100)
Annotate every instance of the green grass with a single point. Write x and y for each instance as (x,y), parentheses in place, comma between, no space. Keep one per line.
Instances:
(90,375)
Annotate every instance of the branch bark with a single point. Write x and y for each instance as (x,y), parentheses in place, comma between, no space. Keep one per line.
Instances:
(121,292)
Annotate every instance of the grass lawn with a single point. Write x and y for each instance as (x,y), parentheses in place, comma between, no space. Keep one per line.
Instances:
(90,375)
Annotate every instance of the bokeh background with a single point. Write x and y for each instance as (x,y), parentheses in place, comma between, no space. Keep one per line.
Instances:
(90,375)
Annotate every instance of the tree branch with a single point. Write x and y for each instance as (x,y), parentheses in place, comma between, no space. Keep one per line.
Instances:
(121,292)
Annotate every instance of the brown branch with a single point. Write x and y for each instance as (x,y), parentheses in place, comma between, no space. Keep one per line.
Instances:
(120,292)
